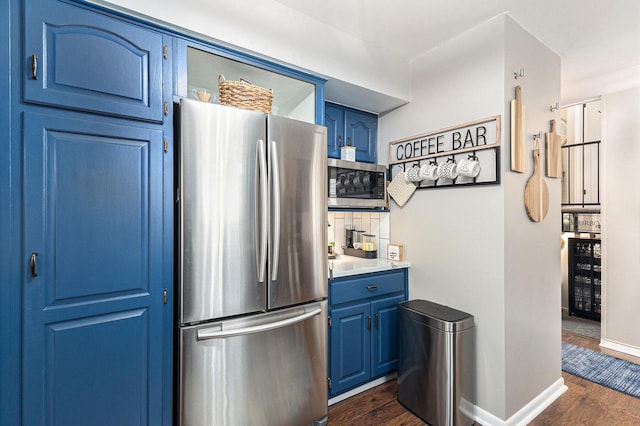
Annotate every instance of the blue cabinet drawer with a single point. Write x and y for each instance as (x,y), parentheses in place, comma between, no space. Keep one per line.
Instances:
(366,286)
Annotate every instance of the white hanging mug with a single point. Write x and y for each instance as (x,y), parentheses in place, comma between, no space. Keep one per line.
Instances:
(469,167)
(429,172)
(412,174)
(448,170)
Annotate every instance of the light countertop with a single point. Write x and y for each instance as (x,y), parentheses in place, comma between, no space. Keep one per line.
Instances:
(344,266)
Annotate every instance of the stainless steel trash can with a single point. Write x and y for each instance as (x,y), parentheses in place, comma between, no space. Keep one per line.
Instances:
(436,363)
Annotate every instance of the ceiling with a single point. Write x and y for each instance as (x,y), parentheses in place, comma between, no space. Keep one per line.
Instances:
(592,37)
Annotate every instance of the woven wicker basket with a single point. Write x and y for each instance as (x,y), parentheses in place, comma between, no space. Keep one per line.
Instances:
(241,94)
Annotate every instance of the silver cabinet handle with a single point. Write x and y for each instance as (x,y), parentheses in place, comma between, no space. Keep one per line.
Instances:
(33,266)
(275,201)
(261,246)
(34,66)
(205,334)
(372,287)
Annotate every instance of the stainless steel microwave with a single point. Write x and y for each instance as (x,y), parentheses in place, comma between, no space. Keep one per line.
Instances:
(356,185)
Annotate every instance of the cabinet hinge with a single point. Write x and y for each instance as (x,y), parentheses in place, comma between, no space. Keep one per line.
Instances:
(166,108)
(165,296)
(166,146)
(165,52)
(177,195)
(329,321)
(329,382)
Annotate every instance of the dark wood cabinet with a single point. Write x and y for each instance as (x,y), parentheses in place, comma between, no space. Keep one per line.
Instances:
(585,278)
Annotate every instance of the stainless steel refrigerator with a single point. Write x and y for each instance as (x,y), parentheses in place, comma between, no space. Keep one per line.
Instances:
(252,268)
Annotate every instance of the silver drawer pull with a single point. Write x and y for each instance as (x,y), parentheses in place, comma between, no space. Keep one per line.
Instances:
(372,287)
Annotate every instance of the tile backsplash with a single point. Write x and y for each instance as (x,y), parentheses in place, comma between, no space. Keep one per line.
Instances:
(371,222)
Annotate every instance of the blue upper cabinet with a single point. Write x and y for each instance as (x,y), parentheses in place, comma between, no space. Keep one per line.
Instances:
(334,121)
(362,131)
(78,59)
(350,127)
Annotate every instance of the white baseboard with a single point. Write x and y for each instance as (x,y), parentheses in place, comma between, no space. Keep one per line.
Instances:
(362,388)
(527,413)
(619,347)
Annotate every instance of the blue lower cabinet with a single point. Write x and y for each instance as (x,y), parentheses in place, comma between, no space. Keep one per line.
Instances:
(363,328)
(384,349)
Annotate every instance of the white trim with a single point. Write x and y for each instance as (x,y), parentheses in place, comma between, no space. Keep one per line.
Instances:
(362,388)
(527,413)
(620,347)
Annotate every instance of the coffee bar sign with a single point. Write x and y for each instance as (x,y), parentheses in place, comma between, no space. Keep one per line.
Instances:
(458,156)
(467,137)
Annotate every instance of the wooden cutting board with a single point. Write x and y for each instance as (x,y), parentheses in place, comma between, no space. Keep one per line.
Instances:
(536,193)
(517,133)
(554,156)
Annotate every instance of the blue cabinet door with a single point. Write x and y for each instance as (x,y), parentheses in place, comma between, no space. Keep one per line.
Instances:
(83,60)
(350,127)
(362,131)
(93,272)
(384,339)
(334,121)
(350,347)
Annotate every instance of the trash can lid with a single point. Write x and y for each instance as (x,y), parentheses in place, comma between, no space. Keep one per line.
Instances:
(437,316)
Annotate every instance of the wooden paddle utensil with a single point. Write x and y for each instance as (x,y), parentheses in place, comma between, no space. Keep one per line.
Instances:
(554,159)
(536,193)
(517,132)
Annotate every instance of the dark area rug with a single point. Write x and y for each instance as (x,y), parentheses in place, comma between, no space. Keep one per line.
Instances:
(605,370)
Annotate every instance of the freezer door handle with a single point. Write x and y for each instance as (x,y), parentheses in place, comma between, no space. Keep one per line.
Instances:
(275,201)
(206,334)
(262,210)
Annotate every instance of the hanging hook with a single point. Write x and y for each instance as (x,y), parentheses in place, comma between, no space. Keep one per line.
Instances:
(536,139)
(519,74)
(555,107)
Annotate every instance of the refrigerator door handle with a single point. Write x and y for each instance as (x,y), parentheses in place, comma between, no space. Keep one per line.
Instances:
(206,334)
(275,201)
(261,247)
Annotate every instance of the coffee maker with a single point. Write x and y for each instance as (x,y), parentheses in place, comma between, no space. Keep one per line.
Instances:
(354,245)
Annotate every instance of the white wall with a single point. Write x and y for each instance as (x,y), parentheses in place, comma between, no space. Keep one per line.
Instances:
(274,31)
(532,274)
(473,248)
(621,221)
(454,237)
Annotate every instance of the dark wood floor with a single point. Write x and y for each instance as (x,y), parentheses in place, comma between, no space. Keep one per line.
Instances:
(584,403)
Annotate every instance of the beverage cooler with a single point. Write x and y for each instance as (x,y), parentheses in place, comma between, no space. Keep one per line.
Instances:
(585,279)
